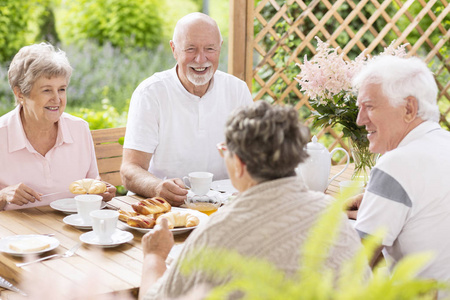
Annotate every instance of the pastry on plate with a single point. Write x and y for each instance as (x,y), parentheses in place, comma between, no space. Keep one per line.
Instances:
(87,186)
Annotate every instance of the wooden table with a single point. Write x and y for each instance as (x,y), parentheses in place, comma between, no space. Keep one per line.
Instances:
(333,188)
(119,267)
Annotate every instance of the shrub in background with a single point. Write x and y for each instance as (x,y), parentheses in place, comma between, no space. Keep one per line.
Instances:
(14,15)
(106,117)
(107,72)
(132,23)
(100,72)
(23,22)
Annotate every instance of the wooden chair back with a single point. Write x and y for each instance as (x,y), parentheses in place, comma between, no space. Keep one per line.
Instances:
(108,151)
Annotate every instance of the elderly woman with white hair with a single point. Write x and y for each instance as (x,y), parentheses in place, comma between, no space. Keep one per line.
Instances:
(43,149)
(408,193)
(269,219)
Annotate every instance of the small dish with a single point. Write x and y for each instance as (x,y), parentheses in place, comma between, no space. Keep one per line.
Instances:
(207,204)
(68,205)
(4,243)
(201,217)
(76,221)
(119,237)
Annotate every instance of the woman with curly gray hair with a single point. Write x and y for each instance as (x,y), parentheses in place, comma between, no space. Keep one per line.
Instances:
(270,218)
(268,139)
(43,149)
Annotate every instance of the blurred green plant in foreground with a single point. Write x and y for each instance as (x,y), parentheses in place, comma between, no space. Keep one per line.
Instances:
(259,279)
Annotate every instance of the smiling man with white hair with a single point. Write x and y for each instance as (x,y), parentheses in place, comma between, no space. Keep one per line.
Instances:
(177,116)
(408,193)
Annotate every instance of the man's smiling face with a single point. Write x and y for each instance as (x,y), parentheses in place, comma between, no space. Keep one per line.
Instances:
(385,123)
(197,52)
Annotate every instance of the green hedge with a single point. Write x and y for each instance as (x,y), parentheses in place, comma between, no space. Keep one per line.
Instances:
(124,24)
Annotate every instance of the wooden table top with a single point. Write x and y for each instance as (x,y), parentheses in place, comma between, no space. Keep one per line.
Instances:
(119,267)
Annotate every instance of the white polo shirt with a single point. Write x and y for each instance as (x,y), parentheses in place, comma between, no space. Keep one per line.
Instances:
(409,195)
(180,129)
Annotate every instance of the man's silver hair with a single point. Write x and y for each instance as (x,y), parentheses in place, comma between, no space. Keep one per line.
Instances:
(196,16)
(400,78)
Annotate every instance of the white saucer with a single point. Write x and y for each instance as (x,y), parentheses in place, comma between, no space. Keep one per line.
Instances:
(118,237)
(68,205)
(223,186)
(4,243)
(76,221)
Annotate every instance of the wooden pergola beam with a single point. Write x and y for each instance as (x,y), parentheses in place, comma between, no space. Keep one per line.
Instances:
(240,40)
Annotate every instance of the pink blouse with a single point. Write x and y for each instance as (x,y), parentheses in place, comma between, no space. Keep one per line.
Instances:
(71,158)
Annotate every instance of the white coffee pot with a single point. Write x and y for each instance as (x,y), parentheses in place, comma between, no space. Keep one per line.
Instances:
(315,170)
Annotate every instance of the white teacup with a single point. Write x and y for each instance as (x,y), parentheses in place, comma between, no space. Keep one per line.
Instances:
(351,187)
(199,182)
(104,224)
(86,204)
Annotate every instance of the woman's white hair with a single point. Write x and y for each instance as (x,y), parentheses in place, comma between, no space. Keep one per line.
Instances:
(400,78)
(35,61)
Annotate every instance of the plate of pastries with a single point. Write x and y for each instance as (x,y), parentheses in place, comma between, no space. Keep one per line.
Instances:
(149,212)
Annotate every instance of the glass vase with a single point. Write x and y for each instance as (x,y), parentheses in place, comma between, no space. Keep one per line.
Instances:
(364,161)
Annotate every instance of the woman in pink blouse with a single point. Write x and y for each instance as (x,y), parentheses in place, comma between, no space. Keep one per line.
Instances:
(42,149)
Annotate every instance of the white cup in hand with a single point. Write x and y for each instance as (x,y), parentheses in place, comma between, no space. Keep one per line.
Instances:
(104,224)
(86,204)
(199,182)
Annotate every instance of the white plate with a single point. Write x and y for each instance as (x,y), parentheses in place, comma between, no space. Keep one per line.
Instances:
(76,221)
(201,217)
(68,205)
(118,237)
(4,243)
(223,186)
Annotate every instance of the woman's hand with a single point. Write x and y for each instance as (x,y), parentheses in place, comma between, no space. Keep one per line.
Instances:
(158,241)
(110,192)
(156,246)
(18,194)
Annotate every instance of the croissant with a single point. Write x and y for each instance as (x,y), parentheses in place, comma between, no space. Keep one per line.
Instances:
(179,219)
(87,186)
(155,205)
(125,215)
(141,221)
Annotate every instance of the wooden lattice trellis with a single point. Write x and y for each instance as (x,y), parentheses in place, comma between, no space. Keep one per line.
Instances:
(279,34)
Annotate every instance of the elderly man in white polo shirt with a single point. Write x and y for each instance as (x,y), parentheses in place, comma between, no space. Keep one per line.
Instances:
(177,116)
(408,193)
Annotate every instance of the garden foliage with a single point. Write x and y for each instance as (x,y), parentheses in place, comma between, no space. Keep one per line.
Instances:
(14,17)
(102,82)
(132,23)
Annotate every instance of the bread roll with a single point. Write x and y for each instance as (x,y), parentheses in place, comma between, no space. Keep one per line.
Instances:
(179,219)
(28,245)
(87,186)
